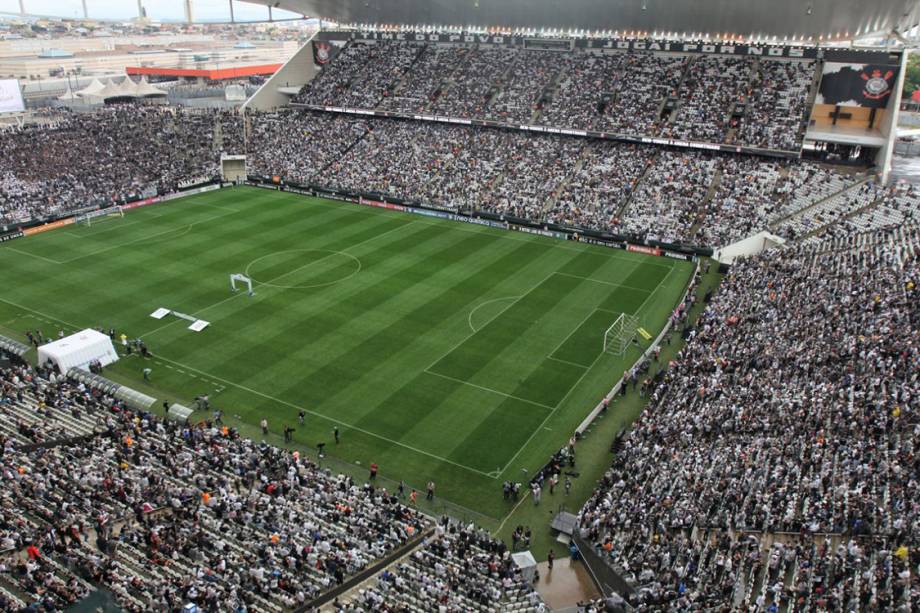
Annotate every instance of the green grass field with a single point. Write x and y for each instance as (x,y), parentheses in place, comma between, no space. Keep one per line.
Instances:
(441,350)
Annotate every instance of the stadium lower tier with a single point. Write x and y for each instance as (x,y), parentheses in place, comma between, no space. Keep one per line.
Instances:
(776,466)
(643,191)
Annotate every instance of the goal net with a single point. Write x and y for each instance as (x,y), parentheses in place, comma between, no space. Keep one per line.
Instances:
(620,334)
(86,219)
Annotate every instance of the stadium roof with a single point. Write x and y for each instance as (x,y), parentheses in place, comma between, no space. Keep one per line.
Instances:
(829,19)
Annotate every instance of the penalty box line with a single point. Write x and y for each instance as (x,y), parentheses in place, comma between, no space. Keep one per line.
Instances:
(282,402)
(580,379)
(490,390)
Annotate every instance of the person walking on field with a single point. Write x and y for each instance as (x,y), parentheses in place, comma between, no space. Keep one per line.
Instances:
(373,471)
(413,496)
(264,425)
(550,559)
(430,494)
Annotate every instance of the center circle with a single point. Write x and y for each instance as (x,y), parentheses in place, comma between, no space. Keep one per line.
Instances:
(344,265)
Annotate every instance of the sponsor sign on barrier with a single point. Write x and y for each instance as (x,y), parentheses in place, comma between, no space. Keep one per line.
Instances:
(643,249)
(538,231)
(426,212)
(48,226)
(139,203)
(8,236)
(382,205)
(597,241)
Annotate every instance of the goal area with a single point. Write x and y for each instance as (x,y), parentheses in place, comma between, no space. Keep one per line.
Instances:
(86,219)
(621,334)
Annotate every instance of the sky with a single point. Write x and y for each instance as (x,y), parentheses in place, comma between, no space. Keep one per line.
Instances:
(165,10)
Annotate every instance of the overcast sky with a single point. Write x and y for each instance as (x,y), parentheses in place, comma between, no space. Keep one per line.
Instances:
(204,10)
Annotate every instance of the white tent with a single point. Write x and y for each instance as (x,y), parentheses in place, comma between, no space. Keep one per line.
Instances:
(146,90)
(128,86)
(92,89)
(113,90)
(526,562)
(79,350)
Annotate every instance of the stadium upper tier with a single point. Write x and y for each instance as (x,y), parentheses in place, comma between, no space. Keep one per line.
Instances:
(744,101)
(641,191)
(827,19)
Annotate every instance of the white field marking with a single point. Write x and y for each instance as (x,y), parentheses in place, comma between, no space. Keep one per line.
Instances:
(33,255)
(146,238)
(213,377)
(214,206)
(307,265)
(326,417)
(549,357)
(116,227)
(610,283)
(520,502)
(496,316)
(574,330)
(34,312)
(469,319)
(580,379)
(93,234)
(238,294)
(490,390)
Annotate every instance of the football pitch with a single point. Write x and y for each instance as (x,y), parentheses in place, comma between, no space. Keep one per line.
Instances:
(441,351)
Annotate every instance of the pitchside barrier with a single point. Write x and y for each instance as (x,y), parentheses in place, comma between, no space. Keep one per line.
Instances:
(472,216)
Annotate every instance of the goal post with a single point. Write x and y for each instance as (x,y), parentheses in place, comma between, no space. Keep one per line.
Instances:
(86,219)
(621,334)
(242,279)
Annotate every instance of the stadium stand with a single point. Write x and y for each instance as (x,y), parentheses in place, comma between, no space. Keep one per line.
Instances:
(108,156)
(363,75)
(618,92)
(163,514)
(711,88)
(776,105)
(671,195)
(776,463)
(460,568)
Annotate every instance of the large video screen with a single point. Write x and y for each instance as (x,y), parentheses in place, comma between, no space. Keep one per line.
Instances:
(867,85)
(11,97)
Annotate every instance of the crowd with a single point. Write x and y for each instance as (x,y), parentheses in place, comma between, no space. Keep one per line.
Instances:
(595,193)
(458,569)
(109,156)
(667,203)
(776,465)
(776,105)
(163,514)
(361,76)
(620,92)
(711,89)
(127,152)
(895,207)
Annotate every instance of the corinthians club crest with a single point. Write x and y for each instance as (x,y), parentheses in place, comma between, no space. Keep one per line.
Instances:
(876,86)
(322,52)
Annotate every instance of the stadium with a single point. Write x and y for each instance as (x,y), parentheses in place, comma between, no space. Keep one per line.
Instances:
(488,305)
